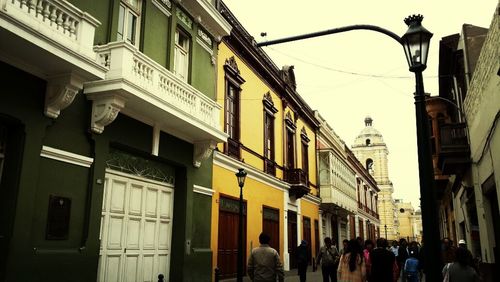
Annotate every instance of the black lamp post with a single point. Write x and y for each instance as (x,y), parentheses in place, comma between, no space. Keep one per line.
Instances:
(240,175)
(416,46)
(385,227)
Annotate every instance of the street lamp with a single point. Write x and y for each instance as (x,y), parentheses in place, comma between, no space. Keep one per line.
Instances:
(385,227)
(415,43)
(240,176)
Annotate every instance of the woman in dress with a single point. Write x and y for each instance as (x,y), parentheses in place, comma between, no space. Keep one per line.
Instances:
(352,265)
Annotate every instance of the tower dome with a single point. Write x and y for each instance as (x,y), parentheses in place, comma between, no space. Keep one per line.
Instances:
(369,136)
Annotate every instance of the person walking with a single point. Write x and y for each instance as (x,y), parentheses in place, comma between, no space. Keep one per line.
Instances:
(264,264)
(344,247)
(460,270)
(394,248)
(328,256)
(352,264)
(366,255)
(383,263)
(402,256)
(411,267)
(302,260)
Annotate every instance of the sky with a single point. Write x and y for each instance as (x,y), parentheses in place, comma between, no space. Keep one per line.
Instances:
(349,76)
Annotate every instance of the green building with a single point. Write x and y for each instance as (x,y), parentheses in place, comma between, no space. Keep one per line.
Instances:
(108,120)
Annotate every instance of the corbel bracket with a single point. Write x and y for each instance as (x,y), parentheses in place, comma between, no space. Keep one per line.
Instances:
(105,109)
(61,91)
(202,150)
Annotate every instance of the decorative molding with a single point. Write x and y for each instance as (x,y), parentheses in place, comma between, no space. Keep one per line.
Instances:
(312,199)
(202,150)
(303,135)
(162,7)
(268,102)
(203,190)
(65,156)
(61,91)
(185,19)
(232,70)
(105,109)
(204,46)
(288,76)
(205,37)
(289,121)
(231,63)
(232,164)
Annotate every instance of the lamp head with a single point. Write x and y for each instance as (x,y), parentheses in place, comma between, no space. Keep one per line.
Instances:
(240,176)
(416,42)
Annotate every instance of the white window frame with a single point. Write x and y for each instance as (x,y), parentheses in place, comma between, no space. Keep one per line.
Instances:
(181,55)
(123,21)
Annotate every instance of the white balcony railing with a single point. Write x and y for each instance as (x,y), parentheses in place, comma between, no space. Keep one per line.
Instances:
(57,20)
(331,195)
(124,61)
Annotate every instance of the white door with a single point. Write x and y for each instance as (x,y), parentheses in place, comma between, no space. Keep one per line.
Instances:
(136,228)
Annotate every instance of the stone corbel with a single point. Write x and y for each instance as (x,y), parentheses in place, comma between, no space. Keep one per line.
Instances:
(61,91)
(202,150)
(105,109)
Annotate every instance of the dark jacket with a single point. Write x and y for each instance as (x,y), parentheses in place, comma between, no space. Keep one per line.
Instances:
(382,265)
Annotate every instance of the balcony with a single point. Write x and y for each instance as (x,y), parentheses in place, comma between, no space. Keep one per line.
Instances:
(454,153)
(339,200)
(141,88)
(54,41)
(299,184)
(270,167)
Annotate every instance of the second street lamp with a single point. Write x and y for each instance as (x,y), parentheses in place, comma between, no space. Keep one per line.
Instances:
(240,176)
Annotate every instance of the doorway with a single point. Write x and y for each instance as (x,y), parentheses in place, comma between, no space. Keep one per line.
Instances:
(292,238)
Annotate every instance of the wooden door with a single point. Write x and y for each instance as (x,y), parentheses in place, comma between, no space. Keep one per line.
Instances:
(352,227)
(316,236)
(292,238)
(361,229)
(136,228)
(227,250)
(306,235)
(271,226)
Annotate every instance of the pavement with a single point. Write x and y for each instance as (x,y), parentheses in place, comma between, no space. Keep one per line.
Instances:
(292,276)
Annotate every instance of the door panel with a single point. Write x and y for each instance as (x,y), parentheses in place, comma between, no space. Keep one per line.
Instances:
(306,235)
(292,238)
(136,228)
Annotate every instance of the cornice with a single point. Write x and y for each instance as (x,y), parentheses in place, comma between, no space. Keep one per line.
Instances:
(65,156)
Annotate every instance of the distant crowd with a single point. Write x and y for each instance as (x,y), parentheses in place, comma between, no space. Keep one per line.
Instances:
(358,261)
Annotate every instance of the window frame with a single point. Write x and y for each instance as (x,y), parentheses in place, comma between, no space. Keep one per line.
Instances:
(186,52)
(232,78)
(269,134)
(129,9)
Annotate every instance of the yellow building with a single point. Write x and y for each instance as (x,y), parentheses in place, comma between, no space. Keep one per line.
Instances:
(272,136)
(410,222)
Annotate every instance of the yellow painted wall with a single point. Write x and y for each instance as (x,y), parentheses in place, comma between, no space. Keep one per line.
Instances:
(256,195)
(310,210)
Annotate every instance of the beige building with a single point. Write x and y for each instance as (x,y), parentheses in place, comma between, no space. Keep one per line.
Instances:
(371,150)
(410,222)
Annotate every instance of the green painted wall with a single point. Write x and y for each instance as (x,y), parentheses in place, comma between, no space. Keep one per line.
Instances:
(101,11)
(156,35)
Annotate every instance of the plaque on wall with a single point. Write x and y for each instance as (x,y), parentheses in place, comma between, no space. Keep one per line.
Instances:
(58,218)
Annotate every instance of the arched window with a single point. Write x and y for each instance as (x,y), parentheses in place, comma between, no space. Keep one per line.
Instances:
(368,142)
(369,165)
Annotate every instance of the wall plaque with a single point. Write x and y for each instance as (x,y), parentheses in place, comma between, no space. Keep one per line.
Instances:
(58,218)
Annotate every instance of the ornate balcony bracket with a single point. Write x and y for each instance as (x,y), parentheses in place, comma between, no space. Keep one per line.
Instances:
(105,109)
(61,91)
(202,151)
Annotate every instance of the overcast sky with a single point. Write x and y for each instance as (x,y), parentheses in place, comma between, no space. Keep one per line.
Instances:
(339,75)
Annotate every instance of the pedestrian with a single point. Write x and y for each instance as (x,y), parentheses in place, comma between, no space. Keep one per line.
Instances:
(463,244)
(352,265)
(402,256)
(447,250)
(328,256)
(264,264)
(302,260)
(411,267)
(383,263)
(394,248)
(344,247)
(366,255)
(460,270)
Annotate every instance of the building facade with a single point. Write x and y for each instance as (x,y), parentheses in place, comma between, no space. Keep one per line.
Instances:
(108,118)
(370,149)
(272,134)
(410,222)
(337,181)
(464,118)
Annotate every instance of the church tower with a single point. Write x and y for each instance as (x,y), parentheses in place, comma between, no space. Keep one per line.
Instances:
(370,149)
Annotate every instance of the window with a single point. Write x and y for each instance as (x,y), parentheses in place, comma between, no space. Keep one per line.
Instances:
(128,21)
(368,142)
(290,142)
(305,151)
(181,55)
(269,111)
(233,82)
(369,165)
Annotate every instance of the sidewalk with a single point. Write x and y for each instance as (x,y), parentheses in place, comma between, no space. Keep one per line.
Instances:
(290,276)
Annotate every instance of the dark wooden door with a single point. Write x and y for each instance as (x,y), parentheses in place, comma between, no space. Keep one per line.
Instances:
(335,231)
(352,227)
(361,229)
(292,238)
(316,236)
(271,226)
(227,253)
(306,235)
